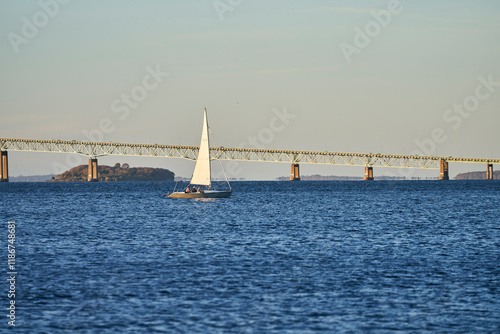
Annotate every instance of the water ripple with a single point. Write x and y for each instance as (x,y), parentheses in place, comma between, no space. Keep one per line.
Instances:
(278,257)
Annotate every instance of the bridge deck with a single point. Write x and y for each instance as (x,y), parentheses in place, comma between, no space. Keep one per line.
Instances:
(98,149)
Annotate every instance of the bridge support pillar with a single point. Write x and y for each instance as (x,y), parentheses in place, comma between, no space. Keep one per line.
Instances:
(369,174)
(4,167)
(489,172)
(443,173)
(295,175)
(93,174)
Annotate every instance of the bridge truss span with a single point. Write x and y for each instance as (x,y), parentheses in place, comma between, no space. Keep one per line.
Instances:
(100,149)
(94,150)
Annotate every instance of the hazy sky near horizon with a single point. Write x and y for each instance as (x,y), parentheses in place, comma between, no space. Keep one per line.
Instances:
(245,65)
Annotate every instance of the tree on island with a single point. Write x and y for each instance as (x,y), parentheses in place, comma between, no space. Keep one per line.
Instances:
(118,173)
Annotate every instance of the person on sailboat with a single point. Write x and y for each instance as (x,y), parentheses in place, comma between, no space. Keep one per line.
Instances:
(194,189)
(188,189)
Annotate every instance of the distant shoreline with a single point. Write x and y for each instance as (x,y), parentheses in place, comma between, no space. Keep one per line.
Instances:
(471,176)
(121,173)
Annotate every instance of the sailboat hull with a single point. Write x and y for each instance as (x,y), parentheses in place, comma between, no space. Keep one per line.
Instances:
(206,194)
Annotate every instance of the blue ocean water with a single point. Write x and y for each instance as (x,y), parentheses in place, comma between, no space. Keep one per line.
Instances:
(277,257)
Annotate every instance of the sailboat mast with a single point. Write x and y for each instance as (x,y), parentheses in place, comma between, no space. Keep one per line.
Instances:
(207,129)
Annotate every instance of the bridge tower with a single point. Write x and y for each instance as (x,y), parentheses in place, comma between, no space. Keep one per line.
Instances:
(443,173)
(489,172)
(295,175)
(369,174)
(93,173)
(4,167)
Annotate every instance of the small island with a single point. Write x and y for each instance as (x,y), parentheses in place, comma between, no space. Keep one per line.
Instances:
(116,173)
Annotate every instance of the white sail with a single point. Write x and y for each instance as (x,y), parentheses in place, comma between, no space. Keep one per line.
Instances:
(201,175)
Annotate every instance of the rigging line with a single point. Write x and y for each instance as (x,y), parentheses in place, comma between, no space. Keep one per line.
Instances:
(220,161)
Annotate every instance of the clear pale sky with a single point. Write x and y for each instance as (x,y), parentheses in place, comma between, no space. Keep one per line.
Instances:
(261,56)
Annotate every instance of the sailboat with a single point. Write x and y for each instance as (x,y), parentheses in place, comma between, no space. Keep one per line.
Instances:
(201,182)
